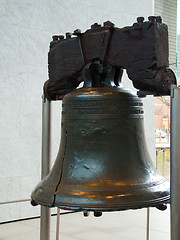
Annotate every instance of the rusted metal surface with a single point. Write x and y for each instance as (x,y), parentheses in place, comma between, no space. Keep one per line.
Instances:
(141,49)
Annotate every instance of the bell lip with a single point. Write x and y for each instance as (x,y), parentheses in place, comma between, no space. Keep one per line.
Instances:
(41,201)
(116,207)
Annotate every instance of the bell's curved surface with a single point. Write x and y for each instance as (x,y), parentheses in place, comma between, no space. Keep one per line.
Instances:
(103,163)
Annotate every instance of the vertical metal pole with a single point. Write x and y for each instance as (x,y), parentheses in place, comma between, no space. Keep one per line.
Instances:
(147,227)
(57,223)
(163,162)
(175,163)
(45,164)
(148,213)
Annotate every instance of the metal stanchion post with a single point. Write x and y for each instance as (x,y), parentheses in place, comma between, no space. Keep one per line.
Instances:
(45,167)
(57,224)
(148,213)
(175,163)
(163,162)
(147,227)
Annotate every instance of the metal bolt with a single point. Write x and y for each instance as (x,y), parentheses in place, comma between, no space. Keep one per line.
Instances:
(162,207)
(108,24)
(95,25)
(140,19)
(97,214)
(159,19)
(151,18)
(77,32)
(86,213)
(61,37)
(68,35)
(55,38)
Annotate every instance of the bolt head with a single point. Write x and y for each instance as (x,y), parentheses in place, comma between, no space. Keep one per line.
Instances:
(77,32)
(108,24)
(159,19)
(151,18)
(68,35)
(55,37)
(61,37)
(95,25)
(140,19)
(97,214)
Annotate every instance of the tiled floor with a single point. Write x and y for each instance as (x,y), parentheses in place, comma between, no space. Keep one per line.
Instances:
(125,225)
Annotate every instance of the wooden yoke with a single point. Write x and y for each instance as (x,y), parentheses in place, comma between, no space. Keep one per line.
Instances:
(141,49)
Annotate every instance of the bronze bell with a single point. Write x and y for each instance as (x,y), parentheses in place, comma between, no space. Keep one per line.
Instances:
(103,163)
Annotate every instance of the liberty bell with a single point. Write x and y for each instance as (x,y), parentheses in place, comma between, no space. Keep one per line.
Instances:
(103,163)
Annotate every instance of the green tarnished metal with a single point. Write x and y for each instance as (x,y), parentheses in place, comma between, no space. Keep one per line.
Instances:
(103,163)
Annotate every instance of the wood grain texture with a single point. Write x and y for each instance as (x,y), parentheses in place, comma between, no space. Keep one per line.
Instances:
(141,49)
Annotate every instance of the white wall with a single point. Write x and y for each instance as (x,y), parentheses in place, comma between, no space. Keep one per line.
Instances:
(26,30)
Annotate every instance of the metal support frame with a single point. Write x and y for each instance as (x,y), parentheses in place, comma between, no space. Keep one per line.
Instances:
(45,164)
(175,163)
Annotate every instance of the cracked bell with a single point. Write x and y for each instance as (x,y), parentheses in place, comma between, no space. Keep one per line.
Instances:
(103,163)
